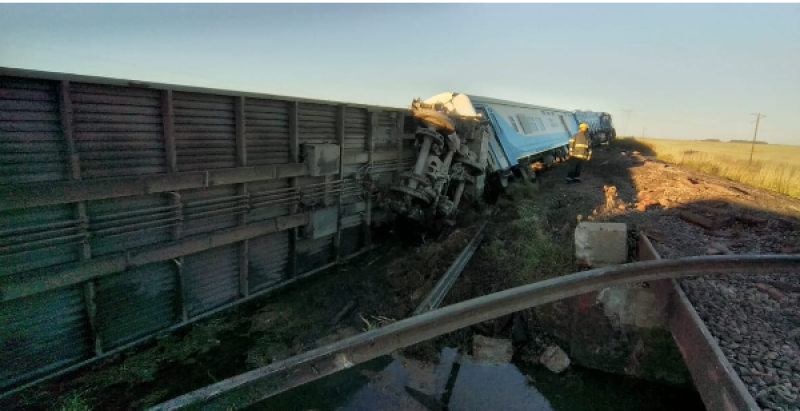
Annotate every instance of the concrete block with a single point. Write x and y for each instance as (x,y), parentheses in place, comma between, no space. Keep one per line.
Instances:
(491,350)
(636,307)
(601,244)
(555,359)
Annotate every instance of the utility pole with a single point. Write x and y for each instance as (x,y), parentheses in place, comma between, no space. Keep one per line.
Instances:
(627,113)
(643,129)
(755,134)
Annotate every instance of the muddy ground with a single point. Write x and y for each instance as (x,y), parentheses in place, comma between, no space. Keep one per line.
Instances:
(528,239)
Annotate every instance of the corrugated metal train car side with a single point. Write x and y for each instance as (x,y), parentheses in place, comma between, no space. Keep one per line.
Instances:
(128,208)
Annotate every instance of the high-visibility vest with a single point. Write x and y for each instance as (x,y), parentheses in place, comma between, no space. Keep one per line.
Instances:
(579,147)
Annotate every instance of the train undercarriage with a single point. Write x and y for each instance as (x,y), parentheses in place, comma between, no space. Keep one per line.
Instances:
(448,166)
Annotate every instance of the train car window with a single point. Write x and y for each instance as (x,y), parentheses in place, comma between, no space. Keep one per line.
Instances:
(523,122)
(539,123)
(552,122)
(513,123)
(531,125)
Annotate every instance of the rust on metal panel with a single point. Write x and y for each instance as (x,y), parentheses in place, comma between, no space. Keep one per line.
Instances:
(718,384)
(253,386)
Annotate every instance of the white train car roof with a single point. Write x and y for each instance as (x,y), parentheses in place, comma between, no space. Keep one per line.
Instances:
(520,130)
(464,104)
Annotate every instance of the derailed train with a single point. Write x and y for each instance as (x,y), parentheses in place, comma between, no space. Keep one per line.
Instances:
(475,145)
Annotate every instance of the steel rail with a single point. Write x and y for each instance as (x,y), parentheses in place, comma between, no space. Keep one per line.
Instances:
(440,290)
(716,380)
(253,386)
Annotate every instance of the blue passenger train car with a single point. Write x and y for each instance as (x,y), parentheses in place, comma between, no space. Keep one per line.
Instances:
(522,136)
(601,128)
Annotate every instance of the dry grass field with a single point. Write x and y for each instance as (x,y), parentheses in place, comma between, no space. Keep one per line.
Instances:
(774,167)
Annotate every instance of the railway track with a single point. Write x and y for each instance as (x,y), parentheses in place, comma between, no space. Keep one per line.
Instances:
(436,296)
(259,384)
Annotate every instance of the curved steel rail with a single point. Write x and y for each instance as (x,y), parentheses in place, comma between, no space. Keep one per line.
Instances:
(439,291)
(245,389)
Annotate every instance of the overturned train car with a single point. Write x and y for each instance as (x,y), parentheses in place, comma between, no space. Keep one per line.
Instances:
(475,145)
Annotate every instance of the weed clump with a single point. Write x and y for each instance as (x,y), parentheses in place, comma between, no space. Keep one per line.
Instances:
(73,402)
(522,251)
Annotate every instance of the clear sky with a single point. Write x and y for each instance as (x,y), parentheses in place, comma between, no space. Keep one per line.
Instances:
(683,70)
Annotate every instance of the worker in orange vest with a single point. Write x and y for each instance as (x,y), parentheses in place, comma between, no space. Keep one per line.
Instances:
(580,151)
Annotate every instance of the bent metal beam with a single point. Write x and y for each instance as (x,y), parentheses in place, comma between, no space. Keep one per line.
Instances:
(256,385)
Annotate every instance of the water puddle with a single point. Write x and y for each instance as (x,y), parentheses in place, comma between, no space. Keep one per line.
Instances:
(459,383)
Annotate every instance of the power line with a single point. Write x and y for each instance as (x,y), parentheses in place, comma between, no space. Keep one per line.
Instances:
(755,134)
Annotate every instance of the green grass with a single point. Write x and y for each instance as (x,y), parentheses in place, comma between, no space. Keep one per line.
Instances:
(525,252)
(775,168)
(72,402)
